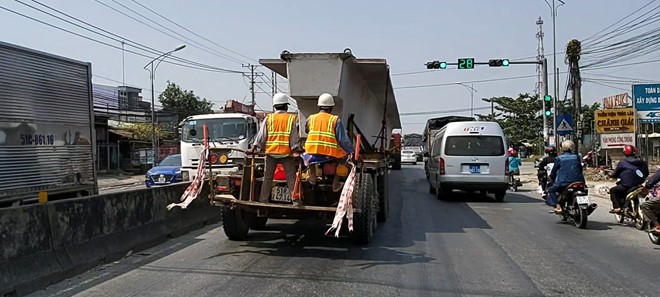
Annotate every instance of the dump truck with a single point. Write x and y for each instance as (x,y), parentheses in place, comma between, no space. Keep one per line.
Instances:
(366,104)
(47,135)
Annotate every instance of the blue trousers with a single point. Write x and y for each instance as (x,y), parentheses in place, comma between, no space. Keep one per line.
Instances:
(552,194)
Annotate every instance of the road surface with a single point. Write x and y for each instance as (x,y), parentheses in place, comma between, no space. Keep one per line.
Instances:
(471,246)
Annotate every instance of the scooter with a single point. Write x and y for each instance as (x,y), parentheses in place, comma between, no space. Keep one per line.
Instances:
(632,208)
(575,204)
(514,182)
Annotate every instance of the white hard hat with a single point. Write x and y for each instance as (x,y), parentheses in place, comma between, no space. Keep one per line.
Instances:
(280,98)
(326,100)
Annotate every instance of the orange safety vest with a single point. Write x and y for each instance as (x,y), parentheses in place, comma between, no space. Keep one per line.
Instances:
(321,137)
(279,133)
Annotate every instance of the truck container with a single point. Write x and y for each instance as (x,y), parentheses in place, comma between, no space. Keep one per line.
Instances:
(47,134)
(364,100)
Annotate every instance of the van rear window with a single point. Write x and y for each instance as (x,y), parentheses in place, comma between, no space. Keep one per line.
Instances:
(477,145)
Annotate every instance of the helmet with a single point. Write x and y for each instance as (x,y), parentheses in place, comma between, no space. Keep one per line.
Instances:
(280,98)
(326,100)
(629,150)
(551,150)
(567,146)
(512,152)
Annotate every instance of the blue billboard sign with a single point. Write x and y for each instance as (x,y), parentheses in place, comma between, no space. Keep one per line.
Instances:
(646,99)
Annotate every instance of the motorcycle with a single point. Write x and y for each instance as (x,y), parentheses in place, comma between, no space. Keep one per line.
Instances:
(545,179)
(653,236)
(632,208)
(575,204)
(514,182)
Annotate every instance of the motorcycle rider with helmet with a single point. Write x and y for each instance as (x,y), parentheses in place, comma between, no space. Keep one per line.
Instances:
(651,207)
(567,170)
(631,171)
(542,175)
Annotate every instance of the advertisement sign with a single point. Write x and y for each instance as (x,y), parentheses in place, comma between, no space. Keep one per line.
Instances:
(647,102)
(608,141)
(616,101)
(615,120)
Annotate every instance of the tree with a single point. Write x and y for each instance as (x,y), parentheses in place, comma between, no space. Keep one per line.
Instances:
(143,131)
(520,118)
(183,102)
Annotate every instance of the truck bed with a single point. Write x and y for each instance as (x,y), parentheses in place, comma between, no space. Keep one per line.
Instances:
(360,86)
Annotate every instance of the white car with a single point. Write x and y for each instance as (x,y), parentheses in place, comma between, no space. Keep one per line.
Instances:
(408,156)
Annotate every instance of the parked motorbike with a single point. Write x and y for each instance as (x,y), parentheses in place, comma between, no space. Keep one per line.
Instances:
(575,204)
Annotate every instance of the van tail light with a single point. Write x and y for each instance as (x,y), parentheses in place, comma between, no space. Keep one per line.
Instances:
(506,167)
(442,166)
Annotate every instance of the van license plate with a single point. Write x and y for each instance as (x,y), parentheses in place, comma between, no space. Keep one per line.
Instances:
(475,169)
(281,194)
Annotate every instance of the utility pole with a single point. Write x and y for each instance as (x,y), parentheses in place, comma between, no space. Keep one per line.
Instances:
(252,82)
(573,50)
(273,81)
(492,109)
(541,71)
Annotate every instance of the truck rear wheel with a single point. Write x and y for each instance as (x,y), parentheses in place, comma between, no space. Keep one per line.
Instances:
(258,223)
(397,162)
(383,197)
(364,222)
(235,223)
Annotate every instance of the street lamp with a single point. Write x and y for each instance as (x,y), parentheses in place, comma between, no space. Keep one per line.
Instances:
(472,90)
(553,10)
(151,70)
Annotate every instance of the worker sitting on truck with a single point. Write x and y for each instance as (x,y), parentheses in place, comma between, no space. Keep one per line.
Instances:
(326,137)
(278,135)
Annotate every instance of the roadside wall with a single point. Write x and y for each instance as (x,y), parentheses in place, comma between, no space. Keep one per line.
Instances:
(44,244)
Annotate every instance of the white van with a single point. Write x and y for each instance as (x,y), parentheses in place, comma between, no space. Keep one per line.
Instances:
(469,156)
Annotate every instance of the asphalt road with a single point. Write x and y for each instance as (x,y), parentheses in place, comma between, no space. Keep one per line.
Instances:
(471,246)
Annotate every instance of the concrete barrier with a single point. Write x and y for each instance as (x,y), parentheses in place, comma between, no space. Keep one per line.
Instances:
(43,244)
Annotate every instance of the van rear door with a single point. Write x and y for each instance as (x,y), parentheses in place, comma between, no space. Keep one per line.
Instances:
(475,155)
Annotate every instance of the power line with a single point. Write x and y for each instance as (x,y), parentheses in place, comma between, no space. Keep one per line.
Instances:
(614,24)
(111,45)
(194,43)
(121,38)
(192,32)
(602,84)
(442,111)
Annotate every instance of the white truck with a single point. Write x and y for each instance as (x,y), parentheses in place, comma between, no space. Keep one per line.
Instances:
(47,135)
(230,134)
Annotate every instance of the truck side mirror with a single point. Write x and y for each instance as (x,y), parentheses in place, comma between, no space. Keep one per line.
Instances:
(426,154)
(253,128)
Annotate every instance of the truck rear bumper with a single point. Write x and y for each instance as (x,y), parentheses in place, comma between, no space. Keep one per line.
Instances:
(230,200)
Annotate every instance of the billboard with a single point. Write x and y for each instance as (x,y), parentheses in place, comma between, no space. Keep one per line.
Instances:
(608,141)
(615,120)
(616,101)
(646,98)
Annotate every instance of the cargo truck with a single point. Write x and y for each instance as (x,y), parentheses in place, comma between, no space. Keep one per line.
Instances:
(230,132)
(47,135)
(365,102)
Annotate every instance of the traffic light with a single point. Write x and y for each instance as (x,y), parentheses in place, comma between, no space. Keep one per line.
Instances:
(548,105)
(498,62)
(436,65)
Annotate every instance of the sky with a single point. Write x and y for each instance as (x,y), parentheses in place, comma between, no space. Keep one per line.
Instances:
(406,33)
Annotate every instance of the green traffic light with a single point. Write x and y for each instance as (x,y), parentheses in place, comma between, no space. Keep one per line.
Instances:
(443,65)
(547,98)
(548,113)
(505,62)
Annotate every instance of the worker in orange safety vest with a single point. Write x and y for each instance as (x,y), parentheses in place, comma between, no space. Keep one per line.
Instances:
(326,137)
(278,137)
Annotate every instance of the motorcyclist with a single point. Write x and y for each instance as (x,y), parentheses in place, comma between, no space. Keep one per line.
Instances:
(651,207)
(567,170)
(631,172)
(549,159)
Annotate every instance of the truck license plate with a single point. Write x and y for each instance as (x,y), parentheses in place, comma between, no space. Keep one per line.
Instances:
(475,169)
(281,194)
(582,199)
